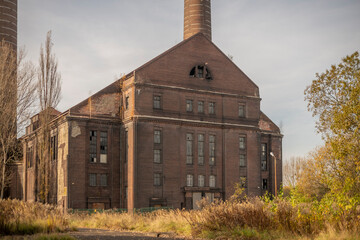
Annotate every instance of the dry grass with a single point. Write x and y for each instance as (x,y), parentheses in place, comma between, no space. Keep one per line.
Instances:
(19,217)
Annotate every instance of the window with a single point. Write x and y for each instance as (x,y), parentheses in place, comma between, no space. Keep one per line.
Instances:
(242,143)
(189,105)
(157,156)
(53,147)
(157,136)
(157,179)
(30,157)
(212,181)
(103,147)
(127,102)
(243,182)
(92,179)
(201,181)
(264,184)
(201,149)
(200,72)
(211,150)
(242,160)
(189,148)
(200,106)
(126,146)
(189,180)
(241,110)
(103,180)
(211,108)
(157,102)
(93,143)
(263,156)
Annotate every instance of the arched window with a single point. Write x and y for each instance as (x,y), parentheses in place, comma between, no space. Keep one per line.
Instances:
(200,71)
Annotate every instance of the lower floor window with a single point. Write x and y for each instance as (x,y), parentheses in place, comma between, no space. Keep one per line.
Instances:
(264,184)
(92,179)
(157,179)
(189,180)
(103,180)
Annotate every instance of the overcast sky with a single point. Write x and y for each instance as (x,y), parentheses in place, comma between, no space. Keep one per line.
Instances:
(279,44)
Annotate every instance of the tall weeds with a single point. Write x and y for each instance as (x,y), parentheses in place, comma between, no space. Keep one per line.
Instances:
(19,217)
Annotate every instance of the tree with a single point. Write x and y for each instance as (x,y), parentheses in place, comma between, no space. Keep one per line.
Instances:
(333,97)
(292,170)
(17,90)
(49,92)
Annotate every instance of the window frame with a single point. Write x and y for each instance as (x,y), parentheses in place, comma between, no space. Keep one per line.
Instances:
(157,101)
(189,148)
(93,146)
(189,180)
(211,109)
(159,155)
(201,180)
(212,149)
(212,181)
(202,106)
(189,105)
(157,179)
(243,111)
(201,150)
(92,179)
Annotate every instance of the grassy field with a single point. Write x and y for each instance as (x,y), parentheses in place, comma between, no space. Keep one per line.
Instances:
(248,219)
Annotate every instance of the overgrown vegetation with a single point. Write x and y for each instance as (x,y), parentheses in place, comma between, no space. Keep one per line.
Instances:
(19,217)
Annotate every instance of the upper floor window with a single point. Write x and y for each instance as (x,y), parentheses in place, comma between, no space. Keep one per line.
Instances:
(211,108)
(93,143)
(212,181)
(157,102)
(241,110)
(242,143)
(127,102)
(157,179)
(103,147)
(189,105)
(200,106)
(157,156)
(103,180)
(157,136)
(263,156)
(201,181)
(211,150)
(200,71)
(53,147)
(189,148)
(242,160)
(189,180)
(92,179)
(30,157)
(126,146)
(201,149)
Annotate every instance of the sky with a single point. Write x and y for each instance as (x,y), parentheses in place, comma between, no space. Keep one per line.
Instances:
(279,44)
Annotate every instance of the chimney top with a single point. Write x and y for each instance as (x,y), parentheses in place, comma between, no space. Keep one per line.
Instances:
(197,18)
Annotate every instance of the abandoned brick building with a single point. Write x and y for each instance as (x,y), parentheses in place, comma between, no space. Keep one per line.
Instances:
(183,126)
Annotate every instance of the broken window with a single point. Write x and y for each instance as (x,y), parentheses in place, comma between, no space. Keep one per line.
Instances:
(93,143)
(263,156)
(53,147)
(103,147)
(264,184)
(201,149)
(200,71)
(189,148)
(211,150)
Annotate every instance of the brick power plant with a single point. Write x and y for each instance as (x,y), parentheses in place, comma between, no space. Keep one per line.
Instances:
(184,126)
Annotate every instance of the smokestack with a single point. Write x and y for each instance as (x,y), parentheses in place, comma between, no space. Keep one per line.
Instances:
(197,18)
(8,21)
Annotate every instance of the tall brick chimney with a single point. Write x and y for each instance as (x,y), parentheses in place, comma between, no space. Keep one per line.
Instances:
(197,18)
(8,21)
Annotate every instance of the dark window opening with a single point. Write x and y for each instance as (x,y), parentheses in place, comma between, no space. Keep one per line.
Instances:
(93,149)
(53,147)
(103,147)
(263,157)
(127,102)
(264,184)
(92,179)
(200,72)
